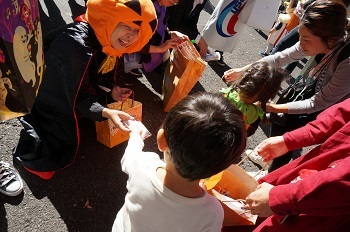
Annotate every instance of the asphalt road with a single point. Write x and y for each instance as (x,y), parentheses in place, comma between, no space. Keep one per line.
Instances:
(87,195)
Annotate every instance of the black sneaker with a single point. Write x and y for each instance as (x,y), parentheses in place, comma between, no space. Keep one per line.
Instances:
(221,62)
(261,53)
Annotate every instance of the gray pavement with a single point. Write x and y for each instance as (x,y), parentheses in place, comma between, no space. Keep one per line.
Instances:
(87,195)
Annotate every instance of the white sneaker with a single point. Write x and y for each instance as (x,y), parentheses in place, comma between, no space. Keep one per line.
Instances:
(258,174)
(10,181)
(254,157)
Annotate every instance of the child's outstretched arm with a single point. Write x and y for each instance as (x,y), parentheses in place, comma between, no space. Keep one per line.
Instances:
(137,127)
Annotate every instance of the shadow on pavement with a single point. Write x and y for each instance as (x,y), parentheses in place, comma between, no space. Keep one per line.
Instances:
(88,194)
(53,20)
(76,8)
(263,34)
(219,70)
(265,128)
(3,218)
(8,200)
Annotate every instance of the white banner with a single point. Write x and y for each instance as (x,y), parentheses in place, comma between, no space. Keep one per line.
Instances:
(260,14)
(223,30)
(231,17)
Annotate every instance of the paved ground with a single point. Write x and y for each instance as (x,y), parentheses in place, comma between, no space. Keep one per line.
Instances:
(95,179)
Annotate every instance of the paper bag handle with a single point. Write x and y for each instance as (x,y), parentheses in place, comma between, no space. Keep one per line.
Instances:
(132,100)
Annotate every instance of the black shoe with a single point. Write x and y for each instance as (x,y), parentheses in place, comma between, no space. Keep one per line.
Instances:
(261,53)
(136,72)
(221,62)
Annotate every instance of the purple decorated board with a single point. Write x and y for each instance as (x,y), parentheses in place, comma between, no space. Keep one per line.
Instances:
(21,56)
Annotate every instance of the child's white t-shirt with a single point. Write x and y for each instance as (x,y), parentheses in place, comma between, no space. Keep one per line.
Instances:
(151,207)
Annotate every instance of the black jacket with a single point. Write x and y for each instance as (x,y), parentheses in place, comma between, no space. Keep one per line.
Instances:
(183,20)
(69,89)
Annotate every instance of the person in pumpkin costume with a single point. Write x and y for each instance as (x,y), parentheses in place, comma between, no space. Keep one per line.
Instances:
(84,66)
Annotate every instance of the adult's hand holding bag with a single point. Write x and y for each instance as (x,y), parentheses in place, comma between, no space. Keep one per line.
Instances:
(231,187)
(107,133)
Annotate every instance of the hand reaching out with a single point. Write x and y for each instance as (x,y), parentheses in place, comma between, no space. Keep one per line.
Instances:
(138,127)
(233,74)
(271,148)
(258,201)
(118,118)
(176,39)
(203,47)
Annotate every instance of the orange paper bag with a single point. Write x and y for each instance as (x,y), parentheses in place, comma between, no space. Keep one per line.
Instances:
(107,133)
(228,187)
(182,73)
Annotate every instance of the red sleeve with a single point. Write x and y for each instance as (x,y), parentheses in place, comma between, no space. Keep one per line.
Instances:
(326,192)
(321,194)
(317,131)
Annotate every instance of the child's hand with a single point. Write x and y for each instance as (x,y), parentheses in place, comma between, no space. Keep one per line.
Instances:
(203,47)
(178,35)
(138,127)
(258,103)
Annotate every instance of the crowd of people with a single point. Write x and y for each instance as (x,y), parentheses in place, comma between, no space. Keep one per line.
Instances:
(204,133)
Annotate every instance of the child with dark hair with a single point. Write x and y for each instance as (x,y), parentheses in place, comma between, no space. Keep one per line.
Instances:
(201,136)
(259,83)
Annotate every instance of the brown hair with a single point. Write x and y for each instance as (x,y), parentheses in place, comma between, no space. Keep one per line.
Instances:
(326,19)
(261,82)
